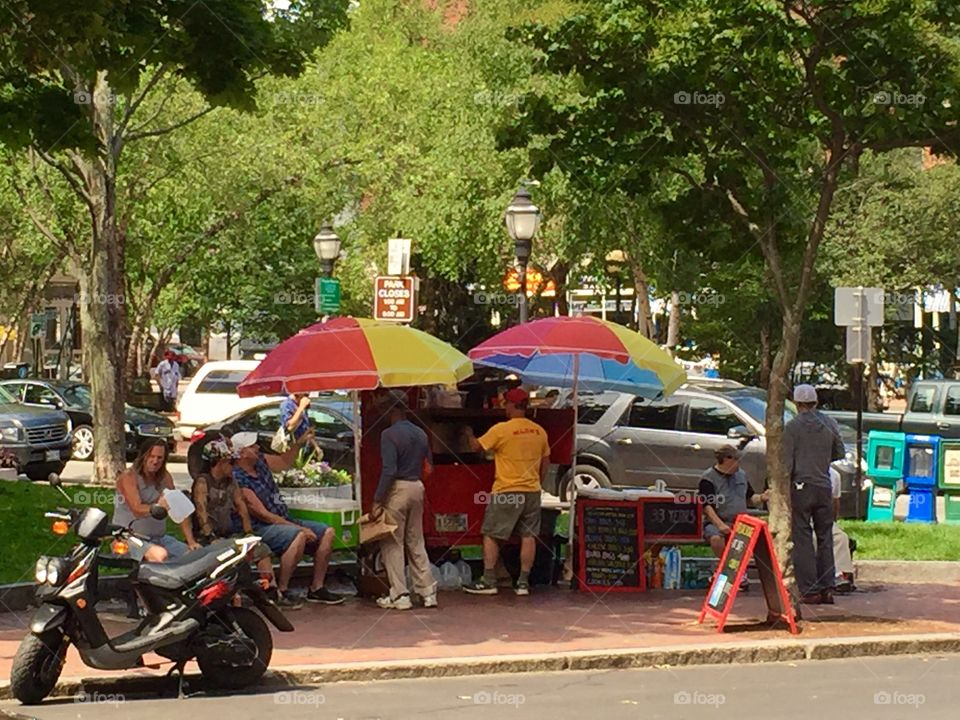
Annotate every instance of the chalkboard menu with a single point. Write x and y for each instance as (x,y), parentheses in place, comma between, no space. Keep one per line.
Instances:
(733,560)
(672,519)
(750,538)
(610,536)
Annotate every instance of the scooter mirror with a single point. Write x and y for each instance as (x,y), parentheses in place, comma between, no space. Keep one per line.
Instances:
(158,512)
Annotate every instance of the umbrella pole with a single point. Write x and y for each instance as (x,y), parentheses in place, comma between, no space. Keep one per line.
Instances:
(357,439)
(573,475)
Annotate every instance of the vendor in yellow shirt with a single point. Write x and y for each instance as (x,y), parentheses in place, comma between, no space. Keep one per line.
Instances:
(521,456)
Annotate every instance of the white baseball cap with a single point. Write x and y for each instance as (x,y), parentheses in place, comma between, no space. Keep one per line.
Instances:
(243,440)
(804,394)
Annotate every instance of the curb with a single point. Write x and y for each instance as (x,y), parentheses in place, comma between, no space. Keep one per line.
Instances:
(706,654)
(941,572)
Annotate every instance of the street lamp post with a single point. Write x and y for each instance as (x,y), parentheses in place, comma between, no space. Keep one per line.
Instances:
(615,262)
(522,219)
(327,246)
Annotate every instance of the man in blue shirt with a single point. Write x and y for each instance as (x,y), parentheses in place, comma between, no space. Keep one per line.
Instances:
(286,537)
(293,415)
(405,455)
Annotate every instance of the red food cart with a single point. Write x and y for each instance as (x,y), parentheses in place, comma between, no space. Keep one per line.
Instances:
(457,490)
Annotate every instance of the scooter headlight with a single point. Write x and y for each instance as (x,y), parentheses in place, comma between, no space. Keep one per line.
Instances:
(40,571)
(53,572)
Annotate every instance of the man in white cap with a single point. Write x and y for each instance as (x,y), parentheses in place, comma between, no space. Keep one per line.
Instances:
(286,537)
(811,441)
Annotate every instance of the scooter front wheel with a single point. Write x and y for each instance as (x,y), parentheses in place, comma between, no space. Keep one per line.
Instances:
(229,672)
(37,666)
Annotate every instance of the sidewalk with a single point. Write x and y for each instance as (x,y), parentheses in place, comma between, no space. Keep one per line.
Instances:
(559,622)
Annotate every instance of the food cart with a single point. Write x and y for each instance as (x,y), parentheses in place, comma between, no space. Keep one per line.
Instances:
(457,491)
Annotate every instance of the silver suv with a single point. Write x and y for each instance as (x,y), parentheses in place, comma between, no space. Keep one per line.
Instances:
(626,441)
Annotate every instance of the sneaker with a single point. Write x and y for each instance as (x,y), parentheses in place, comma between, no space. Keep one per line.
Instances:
(322,595)
(288,601)
(401,603)
(480,587)
(811,599)
(522,587)
(745,584)
(430,601)
(826,597)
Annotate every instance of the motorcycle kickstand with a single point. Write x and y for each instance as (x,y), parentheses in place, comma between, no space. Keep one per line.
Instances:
(179,669)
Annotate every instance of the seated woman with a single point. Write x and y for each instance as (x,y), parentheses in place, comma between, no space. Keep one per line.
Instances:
(217,497)
(725,492)
(140,486)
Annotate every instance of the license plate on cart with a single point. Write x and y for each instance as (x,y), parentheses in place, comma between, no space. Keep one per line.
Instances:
(451,523)
(53,455)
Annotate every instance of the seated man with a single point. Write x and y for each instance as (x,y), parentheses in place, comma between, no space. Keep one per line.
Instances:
(725,492)
(285,537)
(217,498)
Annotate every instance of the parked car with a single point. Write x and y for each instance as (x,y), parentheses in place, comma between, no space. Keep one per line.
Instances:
(933,408)
(212,395)
(38,438)
(626,441)
(74,399)
(331,418)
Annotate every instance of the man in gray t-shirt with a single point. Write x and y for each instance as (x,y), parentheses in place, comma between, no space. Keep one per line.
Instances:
(811,441)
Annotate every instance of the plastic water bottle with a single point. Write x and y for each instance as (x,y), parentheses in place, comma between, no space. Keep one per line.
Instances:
(463,568)
(449,576)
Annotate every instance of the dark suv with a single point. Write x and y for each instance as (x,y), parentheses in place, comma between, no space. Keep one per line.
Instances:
(39,439)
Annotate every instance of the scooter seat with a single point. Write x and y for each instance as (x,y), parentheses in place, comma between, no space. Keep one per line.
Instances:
(177,573)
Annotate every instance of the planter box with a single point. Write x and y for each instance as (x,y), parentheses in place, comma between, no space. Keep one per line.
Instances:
(8,474)
(309,498)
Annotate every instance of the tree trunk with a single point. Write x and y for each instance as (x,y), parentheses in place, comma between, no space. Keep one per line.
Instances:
(641,292)
(765,352)
(779,477)
(102,310)
(560,274)
(673,328)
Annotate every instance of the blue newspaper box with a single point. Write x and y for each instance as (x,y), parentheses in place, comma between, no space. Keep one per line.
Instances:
(886,452)
(921,474)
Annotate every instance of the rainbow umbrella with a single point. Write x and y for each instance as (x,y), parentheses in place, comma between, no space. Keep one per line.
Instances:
(349,353)
(582,351)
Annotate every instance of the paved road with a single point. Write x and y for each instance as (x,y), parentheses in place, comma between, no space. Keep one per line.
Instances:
(871,689)
(79,472)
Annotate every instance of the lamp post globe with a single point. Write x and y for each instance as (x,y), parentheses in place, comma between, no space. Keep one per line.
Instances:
(327,246)
(522,219)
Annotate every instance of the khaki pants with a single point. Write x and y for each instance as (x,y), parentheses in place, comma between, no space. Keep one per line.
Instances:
(841,551)
(404,506)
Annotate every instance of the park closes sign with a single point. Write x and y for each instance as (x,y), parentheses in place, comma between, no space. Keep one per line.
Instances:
(394,299)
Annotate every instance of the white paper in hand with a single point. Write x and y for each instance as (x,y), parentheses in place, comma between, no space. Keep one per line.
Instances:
(180,506)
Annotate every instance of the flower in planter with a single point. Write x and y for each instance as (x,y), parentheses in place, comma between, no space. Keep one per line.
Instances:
(313,474)
(8,459)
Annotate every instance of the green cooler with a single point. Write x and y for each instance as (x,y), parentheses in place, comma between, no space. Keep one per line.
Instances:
(340,514)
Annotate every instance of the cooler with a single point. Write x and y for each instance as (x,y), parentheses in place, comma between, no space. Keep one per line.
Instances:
(340,514)
(921,476)
(885,464)
(949,480)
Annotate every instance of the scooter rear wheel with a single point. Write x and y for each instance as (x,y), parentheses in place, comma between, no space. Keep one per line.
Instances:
(37,666)
(227,675)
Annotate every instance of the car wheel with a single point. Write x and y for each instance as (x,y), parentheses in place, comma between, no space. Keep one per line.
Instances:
(582,477)
(82,442)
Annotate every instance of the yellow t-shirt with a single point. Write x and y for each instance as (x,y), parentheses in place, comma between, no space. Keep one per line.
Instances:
(518,445)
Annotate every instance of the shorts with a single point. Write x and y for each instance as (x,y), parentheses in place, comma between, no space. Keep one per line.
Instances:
(279,537)
(510,512)
(175,548)
(711,531)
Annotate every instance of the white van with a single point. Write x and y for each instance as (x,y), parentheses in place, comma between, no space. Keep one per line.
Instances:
(212,395)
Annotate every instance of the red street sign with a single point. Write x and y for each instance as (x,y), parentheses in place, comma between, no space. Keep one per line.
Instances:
(394,299)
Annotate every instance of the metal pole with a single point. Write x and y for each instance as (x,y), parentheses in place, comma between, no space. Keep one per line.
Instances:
(859,474)
(523,292)
(572,526)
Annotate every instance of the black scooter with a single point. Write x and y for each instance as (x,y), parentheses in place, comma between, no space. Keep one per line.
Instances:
(189,606)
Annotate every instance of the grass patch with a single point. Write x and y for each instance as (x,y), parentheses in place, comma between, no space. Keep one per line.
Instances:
(903,541)
(25,533)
